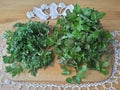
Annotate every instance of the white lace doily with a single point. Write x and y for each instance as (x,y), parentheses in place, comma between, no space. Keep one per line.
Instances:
(106,84)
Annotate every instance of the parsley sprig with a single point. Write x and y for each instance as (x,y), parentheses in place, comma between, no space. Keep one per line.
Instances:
(81,42)
(28,48)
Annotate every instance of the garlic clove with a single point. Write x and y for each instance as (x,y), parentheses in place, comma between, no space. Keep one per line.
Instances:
(30,15)
(69,7)
(62,5)
(44,6)
(40,14)
(53,11)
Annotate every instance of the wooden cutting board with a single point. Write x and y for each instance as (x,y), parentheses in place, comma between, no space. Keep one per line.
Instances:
(50,74)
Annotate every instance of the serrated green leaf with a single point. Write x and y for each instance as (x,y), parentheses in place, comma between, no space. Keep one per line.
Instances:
(77,49)
(81,75)
(76,9)
(104,71)
(8,59)
(100,15)
(87,11)
(95,34)
(83,69)
(50,42)
(78,80)
(66,72)
(14,69)
(69,80)
(105,64)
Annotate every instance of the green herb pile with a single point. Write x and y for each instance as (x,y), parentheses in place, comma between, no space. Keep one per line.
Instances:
(78,39)
(81,43)
(28,48)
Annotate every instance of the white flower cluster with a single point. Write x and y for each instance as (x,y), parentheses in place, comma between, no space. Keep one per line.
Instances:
(42,11)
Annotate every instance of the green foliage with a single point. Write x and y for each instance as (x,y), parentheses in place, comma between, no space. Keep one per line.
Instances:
(65,69)
(28,47)
(81,42)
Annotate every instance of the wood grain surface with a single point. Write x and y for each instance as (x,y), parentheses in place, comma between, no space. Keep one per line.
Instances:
(15,10)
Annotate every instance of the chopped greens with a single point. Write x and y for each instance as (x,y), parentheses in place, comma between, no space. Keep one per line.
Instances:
(29,48)
(78,39)
(81,42)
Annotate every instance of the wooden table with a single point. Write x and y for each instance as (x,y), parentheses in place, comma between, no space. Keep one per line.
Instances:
(13,10)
